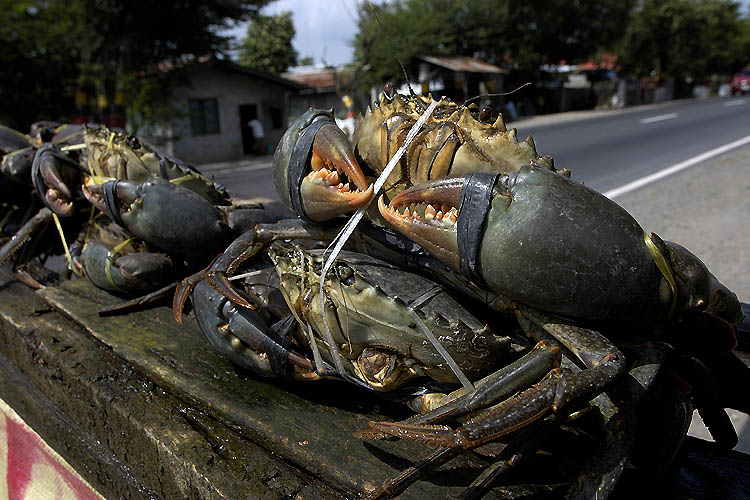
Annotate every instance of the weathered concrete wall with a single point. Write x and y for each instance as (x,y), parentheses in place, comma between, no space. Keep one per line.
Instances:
(230,90)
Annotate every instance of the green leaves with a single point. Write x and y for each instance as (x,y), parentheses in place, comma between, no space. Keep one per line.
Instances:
(268,44)
(522,35)
(684,37)
(52,47)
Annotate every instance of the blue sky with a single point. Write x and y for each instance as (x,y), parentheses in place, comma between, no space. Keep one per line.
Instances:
(324,29)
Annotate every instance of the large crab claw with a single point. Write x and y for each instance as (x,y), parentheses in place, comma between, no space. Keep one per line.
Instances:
(428,214)
(509,233)
(163,214)
(315,167)
(52,173)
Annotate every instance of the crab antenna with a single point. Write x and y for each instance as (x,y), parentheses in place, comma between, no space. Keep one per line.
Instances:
(467,101)
(393,48)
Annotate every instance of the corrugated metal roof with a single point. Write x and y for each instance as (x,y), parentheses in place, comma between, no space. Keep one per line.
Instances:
(321,79)
(463,64)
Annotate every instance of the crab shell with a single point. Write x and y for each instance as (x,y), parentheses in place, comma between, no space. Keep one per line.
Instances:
(375,329)
(116,155)
(452,142)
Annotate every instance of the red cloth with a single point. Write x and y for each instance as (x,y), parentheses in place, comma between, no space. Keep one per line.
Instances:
(30,469)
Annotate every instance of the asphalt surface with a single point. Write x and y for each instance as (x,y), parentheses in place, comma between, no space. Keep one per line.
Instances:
(704,207)
(611,148)
(605,149)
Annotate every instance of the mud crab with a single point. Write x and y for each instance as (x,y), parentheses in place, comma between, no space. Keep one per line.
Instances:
(136,186)
(571,266)
(315,165)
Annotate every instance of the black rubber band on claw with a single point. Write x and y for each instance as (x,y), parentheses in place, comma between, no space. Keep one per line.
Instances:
(298,161)
(36,172)
(109,192)
(476,198)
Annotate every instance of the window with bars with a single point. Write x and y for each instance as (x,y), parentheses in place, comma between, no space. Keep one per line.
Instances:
(204,116)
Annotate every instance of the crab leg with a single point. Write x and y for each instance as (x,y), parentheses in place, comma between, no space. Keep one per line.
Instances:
(521,447)
(24,234)
(603,469)
(555,393)
(494,388)
(243,337)
(243,248)
(397,485)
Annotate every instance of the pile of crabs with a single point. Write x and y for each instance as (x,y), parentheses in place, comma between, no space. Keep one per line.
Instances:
(503,302)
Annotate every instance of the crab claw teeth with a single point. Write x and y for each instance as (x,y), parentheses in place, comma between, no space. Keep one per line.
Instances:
(333,178)
(326,191)
(420,221)
(59,204)
(323,203)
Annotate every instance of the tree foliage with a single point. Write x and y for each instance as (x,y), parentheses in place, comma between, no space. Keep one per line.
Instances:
(521,34)
(268,44)
(52,47)
(682,37)
(679,37)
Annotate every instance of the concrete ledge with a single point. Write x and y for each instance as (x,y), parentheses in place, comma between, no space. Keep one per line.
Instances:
(142,408)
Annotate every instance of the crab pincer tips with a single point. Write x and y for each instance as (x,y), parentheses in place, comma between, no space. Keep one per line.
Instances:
(335,184)
(221,284)
(181,294)
(325,202)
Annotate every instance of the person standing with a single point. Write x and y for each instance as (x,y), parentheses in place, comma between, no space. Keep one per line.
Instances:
(257,130)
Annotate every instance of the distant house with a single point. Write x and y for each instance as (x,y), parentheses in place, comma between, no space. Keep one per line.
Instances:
(220,99)
(324,89)
(459,77)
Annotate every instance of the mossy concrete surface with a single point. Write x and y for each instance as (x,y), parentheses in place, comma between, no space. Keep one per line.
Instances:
(143,408)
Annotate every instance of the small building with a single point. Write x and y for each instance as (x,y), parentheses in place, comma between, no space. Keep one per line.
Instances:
(326,89)
(458,77)
(219,100)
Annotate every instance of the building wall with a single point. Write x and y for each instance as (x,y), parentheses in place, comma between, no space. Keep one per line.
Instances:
(231,90)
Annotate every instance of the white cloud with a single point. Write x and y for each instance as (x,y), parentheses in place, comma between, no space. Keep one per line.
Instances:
(324,28)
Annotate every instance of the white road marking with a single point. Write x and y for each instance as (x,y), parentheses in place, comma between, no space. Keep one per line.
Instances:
(658,118)
(735,102)
(630,186)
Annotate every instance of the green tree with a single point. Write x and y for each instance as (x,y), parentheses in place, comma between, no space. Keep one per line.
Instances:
(306,61)
(682,37)
(52,47)
(740,44)
(521,34)
(268,44)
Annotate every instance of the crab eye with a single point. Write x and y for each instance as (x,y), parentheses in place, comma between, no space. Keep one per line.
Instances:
(485,114)
(133,142)
(346,275)
(388,89)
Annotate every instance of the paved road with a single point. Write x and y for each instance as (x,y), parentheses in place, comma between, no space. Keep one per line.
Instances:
(605,149)
(611,149)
